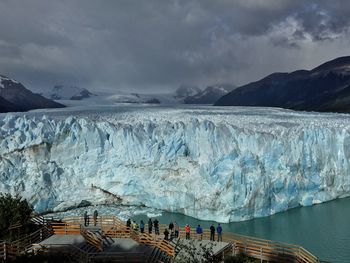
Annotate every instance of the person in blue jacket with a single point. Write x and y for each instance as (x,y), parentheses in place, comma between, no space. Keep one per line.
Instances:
(199,231)
(219,231)
(142,226)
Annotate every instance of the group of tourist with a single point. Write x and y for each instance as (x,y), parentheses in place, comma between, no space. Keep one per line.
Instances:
(199,232)
(174,229)
(169,233)
(87,218)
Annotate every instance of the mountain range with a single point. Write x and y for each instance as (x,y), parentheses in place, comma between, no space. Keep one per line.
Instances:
(60,92)
(324,88)
(15,97)
(209,95)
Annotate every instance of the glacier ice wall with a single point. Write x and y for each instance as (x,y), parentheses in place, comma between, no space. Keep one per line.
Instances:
(210,165)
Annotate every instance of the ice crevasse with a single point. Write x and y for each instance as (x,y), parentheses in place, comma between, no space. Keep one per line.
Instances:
(203,165)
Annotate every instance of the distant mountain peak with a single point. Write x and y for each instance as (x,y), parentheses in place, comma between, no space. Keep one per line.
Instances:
(209,95)
(61,92)
(185,91)
(4,79)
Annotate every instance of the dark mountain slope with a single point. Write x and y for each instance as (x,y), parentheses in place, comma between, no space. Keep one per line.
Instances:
(6,106)
(325,88)
(20,98)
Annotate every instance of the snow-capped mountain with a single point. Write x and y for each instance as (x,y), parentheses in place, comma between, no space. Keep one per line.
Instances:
(15,97)
(185,91)
(60,92)
(211,163)
(208,96)
(325,88)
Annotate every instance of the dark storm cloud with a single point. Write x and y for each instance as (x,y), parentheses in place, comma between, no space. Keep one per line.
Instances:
(154,45)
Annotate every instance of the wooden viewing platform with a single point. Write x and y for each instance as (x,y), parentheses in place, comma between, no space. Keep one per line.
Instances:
(111,239)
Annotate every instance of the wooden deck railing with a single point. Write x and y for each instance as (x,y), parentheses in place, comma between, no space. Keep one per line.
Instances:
(267,249)
(65,228)
(10,250)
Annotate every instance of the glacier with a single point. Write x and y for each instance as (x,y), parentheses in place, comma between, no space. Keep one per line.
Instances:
(212,163)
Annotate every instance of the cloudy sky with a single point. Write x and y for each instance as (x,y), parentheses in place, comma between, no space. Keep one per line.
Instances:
(158,45)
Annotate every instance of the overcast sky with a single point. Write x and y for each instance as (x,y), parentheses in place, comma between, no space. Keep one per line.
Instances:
(153,45)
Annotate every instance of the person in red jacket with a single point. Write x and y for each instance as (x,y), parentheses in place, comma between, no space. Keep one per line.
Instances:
(188,231)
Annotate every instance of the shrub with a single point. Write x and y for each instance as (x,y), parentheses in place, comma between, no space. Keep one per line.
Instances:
(194,252)
(13,210)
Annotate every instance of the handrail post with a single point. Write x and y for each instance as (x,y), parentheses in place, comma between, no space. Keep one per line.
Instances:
(5,252)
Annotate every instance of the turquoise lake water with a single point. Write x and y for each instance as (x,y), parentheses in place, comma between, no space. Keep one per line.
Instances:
(322,229)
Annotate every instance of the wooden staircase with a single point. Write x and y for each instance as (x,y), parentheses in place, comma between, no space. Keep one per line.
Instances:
(96,239)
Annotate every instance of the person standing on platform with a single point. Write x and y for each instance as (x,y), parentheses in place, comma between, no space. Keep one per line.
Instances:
(171,227)
(188,232)
(166,234)
(177,229)
(156,226)
(150,225)
(86,219)
(128,223)
(212,233)
(142,226)
(95,217)
(135,226)
(219,231)
(199,231)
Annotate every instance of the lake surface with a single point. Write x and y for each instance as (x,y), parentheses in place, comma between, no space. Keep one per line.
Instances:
(322,229)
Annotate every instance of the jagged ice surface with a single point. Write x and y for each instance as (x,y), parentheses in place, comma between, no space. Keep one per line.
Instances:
(223,164)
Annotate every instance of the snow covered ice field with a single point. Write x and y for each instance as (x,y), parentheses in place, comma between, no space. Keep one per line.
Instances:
(212,163)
